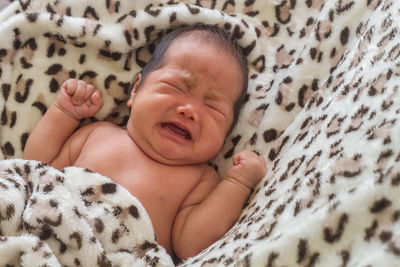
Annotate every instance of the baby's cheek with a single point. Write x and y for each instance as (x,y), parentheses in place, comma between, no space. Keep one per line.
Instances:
(214,143)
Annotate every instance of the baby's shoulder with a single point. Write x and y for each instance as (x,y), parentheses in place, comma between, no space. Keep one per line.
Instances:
(95,131)
(206,181)
(102,127)
(200,174)
(209,173)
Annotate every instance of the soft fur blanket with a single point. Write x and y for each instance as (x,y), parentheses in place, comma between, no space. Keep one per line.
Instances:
(323,108)
(71,217)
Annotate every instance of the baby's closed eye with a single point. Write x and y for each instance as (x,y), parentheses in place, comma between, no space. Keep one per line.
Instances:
(216,104)
(176,87)
(216,107)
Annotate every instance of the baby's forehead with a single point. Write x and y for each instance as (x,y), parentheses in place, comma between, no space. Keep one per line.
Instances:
(177,49)
(203,38)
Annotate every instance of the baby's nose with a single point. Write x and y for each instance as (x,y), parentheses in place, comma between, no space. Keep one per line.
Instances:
(189,111)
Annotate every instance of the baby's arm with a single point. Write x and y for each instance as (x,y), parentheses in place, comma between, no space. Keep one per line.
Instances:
(75,101)
(210,211)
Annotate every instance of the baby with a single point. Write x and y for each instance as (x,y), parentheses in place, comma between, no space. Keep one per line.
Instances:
(183,104)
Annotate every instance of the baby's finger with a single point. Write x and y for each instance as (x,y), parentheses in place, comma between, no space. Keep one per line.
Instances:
(236,158)
(89,91)
(96,98)
(70,86)
(79,95)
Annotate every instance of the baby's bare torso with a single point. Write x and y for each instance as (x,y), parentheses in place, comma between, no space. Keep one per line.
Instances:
(161,188)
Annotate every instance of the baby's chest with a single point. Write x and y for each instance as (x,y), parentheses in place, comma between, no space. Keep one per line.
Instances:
(147,179)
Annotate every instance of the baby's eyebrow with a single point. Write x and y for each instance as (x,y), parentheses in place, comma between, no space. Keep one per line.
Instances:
(212,95)
(189,80)
(216,96)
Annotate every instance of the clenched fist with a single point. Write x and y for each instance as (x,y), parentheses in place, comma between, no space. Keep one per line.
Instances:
(248,169)
(79,99)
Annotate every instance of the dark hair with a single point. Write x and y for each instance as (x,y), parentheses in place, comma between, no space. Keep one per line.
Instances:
(213,34)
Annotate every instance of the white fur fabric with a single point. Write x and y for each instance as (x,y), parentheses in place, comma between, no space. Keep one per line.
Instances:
(323,108)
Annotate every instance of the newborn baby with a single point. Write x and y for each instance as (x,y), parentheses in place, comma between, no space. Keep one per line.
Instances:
(183,104)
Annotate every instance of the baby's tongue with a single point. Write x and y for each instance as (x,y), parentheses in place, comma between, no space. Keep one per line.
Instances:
(174,128)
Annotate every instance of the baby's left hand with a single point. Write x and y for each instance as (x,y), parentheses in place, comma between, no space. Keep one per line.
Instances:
(248,168)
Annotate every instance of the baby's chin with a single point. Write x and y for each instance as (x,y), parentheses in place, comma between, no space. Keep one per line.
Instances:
(175,154)
(177,159)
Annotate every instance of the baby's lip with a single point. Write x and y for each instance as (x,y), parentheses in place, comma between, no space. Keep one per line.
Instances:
(179,129)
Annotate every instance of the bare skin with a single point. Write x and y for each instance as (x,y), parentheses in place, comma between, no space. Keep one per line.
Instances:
(179,119)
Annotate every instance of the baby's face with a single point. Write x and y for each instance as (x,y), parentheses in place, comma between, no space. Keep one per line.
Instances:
(184,109)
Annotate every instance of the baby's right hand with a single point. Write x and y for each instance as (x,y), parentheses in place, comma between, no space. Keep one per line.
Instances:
(79,99)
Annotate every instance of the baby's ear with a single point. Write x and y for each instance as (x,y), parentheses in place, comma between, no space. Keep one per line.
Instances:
(134,90)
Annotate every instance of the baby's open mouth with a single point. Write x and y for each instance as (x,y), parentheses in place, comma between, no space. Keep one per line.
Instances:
(177,130)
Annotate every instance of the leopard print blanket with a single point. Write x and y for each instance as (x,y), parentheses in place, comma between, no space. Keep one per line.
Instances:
(72,217)
(323,108)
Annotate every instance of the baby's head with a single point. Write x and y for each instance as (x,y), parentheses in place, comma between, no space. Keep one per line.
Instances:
(187,99)
(214,36)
